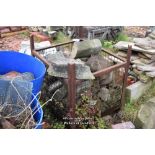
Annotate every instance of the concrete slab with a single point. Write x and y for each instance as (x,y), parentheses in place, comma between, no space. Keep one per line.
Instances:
(136,90)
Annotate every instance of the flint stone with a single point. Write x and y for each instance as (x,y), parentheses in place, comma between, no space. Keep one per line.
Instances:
(59,66)
(123,45)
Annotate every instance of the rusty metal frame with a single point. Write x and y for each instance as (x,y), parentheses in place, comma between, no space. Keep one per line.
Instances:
(125,64)
(72,81)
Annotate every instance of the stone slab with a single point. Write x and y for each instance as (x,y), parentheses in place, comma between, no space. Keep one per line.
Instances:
(123,45)
(124,125)
(136,90)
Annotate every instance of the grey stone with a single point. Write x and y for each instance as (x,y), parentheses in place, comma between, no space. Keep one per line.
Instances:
(124,125)
(97,62)
(137,62)
(107,118)
(150,67)
(25,48)
(145,43)
(86,48)
(136,90)
(54,86)
(146,115)
(123,45)
(85,85)
(149,56)
(147,61)
(107,80)
(150,74)
(122,54)
(59,67)
(61,94)
(104,94)
(152,35)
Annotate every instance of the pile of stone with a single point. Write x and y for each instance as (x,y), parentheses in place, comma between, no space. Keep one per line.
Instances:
(143,56)
(88,59)
(106,89)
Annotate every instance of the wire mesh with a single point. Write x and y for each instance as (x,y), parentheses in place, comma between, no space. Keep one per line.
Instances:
(105,91)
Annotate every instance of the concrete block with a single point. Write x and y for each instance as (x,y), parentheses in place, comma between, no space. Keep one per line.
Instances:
(136,90)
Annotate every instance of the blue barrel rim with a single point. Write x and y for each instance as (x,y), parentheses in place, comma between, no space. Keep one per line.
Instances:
(16,52)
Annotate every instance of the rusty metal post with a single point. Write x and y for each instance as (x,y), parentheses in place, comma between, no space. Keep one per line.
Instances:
(81,33)
(126,76)
(72,90)
(32,43)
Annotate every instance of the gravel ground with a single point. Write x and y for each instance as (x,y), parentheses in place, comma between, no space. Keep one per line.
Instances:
(12,42)
(136,31)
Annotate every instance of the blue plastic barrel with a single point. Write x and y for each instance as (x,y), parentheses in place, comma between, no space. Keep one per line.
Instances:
(38,113)
(15,61)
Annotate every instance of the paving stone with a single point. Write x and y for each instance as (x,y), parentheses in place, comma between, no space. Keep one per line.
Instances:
(123,45)
(136,90)
(124,125)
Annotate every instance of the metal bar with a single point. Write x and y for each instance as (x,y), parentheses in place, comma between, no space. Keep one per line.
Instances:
(32,43)
(109,69)
(36,54)
(126,76)
(72,90)
(57,45)
(112,54)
